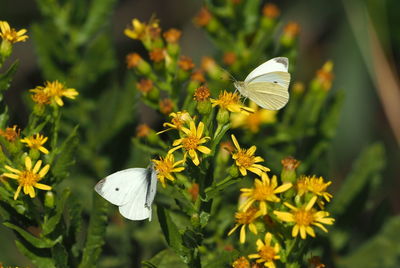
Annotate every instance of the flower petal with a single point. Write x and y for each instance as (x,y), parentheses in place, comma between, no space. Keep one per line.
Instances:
(44,171)
(17,192)
(28,163)
(43,186)
(204,149)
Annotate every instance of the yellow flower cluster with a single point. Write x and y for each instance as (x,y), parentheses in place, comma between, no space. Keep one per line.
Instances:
(10,34)
(28,177)
(288,205)
(52,92)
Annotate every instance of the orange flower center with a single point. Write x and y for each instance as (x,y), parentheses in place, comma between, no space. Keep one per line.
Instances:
(35,143)
(316,186)
(303,217)
(164,167)
(263,192)
(267,253)
(245,217)
(242,262)
(244,159)
(28,178)
(41,97)
(190,143)
(11,35)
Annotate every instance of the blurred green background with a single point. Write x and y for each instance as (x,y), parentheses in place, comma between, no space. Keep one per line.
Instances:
(341,31)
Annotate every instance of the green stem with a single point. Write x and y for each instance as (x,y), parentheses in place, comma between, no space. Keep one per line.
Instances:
(290,249)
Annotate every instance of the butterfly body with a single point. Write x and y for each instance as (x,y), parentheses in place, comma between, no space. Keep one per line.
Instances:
(267,85)
(132,190)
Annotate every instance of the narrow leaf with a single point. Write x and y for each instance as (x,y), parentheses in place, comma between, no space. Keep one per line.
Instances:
(35,241)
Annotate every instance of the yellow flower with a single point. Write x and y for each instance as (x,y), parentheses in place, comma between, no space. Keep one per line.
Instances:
(241,262)
(165,167)
(304,217)
(29,177)
(244,218)
(315,185)
(10,34)
(191,142)
(179,119)
(141,30)
(245,159)
(318,186)
(36,142)
(264,191)
(267,252)
(137,31)
(301,186)
(231,102)
(55,90)
(254,120)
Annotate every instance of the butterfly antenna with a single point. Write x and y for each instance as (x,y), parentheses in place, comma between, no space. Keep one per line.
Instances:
(233,79)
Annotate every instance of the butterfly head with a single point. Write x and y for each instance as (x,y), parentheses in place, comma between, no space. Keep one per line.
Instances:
(240,86)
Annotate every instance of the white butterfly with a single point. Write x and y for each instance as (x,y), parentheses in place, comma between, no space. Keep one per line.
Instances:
(133,190)
(267,85)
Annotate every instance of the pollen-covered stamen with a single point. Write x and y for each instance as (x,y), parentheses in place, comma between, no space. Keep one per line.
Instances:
(28,178)
(165,167)
(263,193)
(303,217)
(267,253)
(246,217)
(190,143)
(244,159)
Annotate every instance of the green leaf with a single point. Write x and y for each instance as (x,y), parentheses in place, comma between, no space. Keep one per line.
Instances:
(4,117)
(99,12)
(117,112)
(74,224)
(164,259)
(59,255)
(6,78)
(97,59)
(39,261)
(172,234)
(381,251)
(50,224)
(251,11)
(170,230)
(66,152)
(330,121)
(35,241)
(370,163)
(96,232)
(48,51)
(192,239)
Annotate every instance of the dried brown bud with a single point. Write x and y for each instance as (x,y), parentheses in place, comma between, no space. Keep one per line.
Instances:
(202,93)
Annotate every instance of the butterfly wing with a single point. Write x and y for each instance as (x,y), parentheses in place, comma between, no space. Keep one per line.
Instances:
(152,189)
(119,188)
(136,208)
(268,95)
(279,64)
